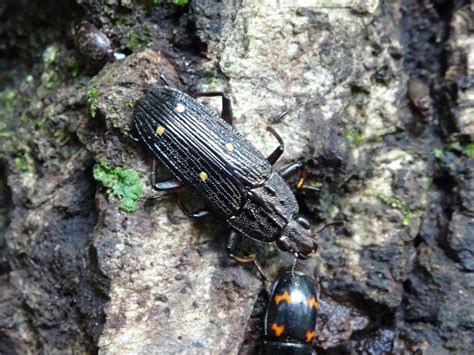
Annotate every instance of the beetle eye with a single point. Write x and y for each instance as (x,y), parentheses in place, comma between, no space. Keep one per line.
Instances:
(284,243)
(303,222)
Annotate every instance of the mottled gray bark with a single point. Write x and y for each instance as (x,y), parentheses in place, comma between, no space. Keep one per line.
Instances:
(379,100)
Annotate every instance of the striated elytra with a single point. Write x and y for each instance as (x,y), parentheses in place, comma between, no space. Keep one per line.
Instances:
(205,152)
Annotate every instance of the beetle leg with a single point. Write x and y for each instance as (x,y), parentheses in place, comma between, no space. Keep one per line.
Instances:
(226,113)
(195,214)
(276,154)
(302,188)
(290,170)
(199,213)
(303,222)
(163,79)
(309,189)
(169,185)
(134,134)
(232,241)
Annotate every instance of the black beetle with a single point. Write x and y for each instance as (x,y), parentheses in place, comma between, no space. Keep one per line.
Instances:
(291,315)
(93,44)
(205,152)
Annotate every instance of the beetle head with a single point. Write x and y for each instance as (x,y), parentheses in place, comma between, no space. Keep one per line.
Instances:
(297,240)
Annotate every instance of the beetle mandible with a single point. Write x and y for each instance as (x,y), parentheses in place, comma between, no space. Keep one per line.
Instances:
(291,314)
(204,151)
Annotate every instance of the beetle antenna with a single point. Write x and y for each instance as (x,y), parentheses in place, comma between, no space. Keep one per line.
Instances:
(295,258)
(334,223)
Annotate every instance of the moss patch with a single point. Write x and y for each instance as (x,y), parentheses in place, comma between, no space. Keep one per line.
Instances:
(140,38)
(92,98)
(354,137)
(470,150)
(396,203)
(120,183)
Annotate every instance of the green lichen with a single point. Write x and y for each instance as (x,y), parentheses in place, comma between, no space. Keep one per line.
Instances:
(180,2)
(378,139)
(469,150)
(4,132)
(438,153)
(316,184)
(73,66)
(141,38)
(29,79)
(354,137)
(398,204)
(50,55)
(212,79)
(174,2)
(3,222)
(8,99)
(92,98)
(120,183)
(461,145)
(127,105)
(50,79)
(21,164)
(51,76)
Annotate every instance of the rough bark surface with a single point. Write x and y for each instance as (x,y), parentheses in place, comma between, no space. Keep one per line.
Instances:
(380,107)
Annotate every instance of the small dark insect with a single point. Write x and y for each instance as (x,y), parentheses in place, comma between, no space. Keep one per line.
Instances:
(291,315)
(93,44)
(204,151)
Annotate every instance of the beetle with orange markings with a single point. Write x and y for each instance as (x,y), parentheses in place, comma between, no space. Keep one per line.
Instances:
(291,315)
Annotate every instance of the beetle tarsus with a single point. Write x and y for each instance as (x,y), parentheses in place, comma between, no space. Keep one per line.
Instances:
(232,242)
(170,185)
(291,169)
(294,168)
(195,214)
(133,135)
(163,79)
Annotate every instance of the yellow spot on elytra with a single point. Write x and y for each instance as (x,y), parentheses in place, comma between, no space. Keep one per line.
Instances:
(284,297)
(229,147)
(278,329)
(180,108)
(203,176)
(160,130)
(313,303)
(310,334)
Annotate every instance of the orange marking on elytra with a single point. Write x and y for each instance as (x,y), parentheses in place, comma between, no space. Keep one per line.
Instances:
(278,329)
(302,179)
(313,303)
(310,334)
(284,297)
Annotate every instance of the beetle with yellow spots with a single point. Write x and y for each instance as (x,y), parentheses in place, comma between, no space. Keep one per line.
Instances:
(206,153)
(291,315)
